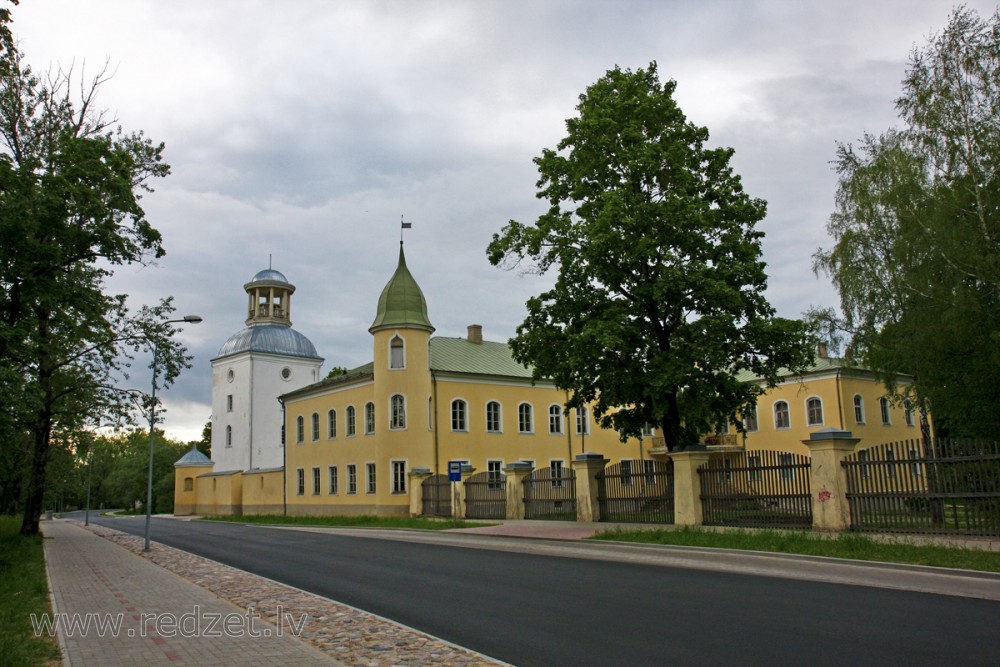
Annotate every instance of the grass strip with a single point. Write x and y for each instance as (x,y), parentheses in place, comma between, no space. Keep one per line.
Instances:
(23,591)
(361,521)
(842,545)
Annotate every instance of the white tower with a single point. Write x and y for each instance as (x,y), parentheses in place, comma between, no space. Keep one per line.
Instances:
(256,365)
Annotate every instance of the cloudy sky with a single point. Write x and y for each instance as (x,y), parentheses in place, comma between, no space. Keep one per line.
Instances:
(303,130)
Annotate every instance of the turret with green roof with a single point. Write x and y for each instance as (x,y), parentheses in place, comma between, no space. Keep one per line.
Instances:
(401,304)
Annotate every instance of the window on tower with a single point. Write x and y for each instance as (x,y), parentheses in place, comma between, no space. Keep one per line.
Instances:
(397,355)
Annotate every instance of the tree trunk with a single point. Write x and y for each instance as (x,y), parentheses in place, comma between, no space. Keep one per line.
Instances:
(41,432)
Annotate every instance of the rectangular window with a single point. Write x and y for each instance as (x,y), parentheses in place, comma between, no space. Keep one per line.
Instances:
(492,417)
(556,470)
(626,469)
(859,409)
(555,420)
(333,480)
(750,421)
(866,468)
(582,421)
(647,430)
(494,474)
(883,404)
(890,465)
(399,476)
(524,418)
(352,478)
(754,464)
(908,412)
(915,465)
(316,481)
(229,403)
(370,477)
(785,469)
(301,474)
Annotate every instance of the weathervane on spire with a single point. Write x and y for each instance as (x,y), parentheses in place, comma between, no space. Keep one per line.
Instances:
(402,226)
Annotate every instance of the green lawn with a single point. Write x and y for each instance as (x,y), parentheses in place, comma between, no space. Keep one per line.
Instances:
(23,591)
(362,521)
(843,545)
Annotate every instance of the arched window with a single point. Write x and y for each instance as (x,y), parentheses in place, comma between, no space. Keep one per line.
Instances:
(229,436)
(397,353)
(814,411)
(300,429)
(582,421)
(781,416)
(188,484)
(352,427)
(859,409)
(458,415)
(493,417)
(525,419)
(315,426)
(369,418)
(397,411)
(883,406)
(555,419)
(331,423)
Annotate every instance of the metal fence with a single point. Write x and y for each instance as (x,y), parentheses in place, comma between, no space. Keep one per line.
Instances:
(550,494)
(761,489)
(637,492)
(947,487)
(486,496)
(435,494)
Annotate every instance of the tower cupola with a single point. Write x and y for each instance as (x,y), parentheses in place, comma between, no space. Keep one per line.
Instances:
(402,304)
(269,298)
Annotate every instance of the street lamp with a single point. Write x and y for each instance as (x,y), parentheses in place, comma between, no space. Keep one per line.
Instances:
(191,319)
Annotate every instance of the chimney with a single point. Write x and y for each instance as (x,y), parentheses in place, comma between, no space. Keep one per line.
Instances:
(821,351)
(476,334)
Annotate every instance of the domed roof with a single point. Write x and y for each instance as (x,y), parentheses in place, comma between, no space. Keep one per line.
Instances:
(401,304)
(271,339)
(269,275)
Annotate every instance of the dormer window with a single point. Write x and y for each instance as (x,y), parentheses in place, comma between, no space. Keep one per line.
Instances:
(397,354)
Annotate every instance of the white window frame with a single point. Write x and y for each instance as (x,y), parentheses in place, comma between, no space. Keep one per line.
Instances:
(494,473)
(332,479)
(520,417)
(908,412)
(397,414)
(402,348)
(809,411)
(300,429)
(300,474)
(788,416)
(555,419)
(557,466)
(748,416)
(331,423)
(859,409)
(397,469)
(583,417)
(460,420)
(352,479)
(885,410)
(369,418)
(351,428)
(494,424)
(315,426)
(371,478)
(317,481)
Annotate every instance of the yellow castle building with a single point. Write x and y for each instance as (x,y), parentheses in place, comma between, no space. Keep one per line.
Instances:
(351,443)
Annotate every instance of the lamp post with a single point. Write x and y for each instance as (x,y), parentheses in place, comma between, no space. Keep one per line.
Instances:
(192,319)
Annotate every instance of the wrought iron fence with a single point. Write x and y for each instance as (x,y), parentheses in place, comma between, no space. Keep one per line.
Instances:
(550,494)
(763,489)
(949,487)
(637,491)
(435,492)
(486,496)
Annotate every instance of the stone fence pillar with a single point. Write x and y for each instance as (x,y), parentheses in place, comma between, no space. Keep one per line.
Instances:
(515,474)
(586,467)
(417,477)
(828,448)
(458,501)
(687,487)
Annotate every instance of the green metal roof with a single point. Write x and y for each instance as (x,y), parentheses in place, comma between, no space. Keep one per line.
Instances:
(458,355)
(819,366)
(401,304)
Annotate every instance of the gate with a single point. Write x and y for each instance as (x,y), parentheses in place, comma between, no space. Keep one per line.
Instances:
(900,487)
(486,496)
(435,492)
(550,494)
(761,489)
(646,495)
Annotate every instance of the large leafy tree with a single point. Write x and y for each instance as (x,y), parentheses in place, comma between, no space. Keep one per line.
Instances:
(916,254)
(658,304)
(69,212)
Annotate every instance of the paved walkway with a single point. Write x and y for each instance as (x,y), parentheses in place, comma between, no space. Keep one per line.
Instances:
(150,616)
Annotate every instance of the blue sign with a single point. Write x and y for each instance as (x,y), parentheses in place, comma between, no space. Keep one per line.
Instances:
(454,471)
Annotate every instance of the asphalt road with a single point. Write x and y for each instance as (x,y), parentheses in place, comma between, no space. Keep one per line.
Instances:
(529,609)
